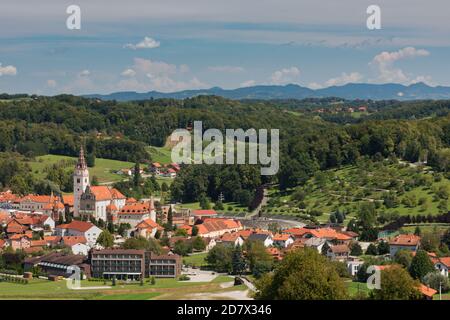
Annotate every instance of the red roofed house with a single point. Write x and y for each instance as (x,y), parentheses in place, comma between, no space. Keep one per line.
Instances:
(20,241)
(200,214)
(427,292)
(156,168)
(442,265)
(338,252)
(78,244)
(215,227)
(79,228)
(408,242)
(147,228)
(232,239)
(283,240)
(134,213)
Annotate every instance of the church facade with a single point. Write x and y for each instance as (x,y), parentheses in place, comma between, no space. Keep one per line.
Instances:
(99,202)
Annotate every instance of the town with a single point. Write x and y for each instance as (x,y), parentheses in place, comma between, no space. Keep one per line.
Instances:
(117,240)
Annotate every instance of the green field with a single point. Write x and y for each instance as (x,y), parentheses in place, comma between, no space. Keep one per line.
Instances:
(346,188)
(170,288)
(105,169)
(196,259)
(160,154)
(355,288)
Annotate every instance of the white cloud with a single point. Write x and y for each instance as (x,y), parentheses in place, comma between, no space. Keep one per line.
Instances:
(128,73)
(51,83)
(84,73)
(286,75)
(7,70)
(226,69)
(384,65)
(248,83)
(158,75)
(344,78)
(147,43)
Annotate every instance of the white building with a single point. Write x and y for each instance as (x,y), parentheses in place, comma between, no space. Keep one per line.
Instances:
(134,213)
(80,182)
(97,202)
(443,265)
(81,229)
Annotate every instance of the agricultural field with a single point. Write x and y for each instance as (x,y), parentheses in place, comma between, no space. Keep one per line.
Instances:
(396,189)
(160,154)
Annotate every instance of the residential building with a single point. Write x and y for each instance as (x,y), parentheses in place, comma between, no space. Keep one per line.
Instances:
(232,239)
(80,228)
(283,240)
(147,228)
(442,265)
(408,242)
(264,238)
(339,252)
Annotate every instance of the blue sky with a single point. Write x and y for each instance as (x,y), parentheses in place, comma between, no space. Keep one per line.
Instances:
(174,45)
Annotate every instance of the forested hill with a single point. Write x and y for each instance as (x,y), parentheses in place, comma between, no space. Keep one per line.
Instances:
(35,126)
(418,91)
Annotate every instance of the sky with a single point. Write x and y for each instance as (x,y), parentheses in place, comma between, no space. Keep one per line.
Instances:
(173,45)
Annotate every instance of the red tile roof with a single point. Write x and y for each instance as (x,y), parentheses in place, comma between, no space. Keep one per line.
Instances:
(73,240)
(148,224)
(204,212)
(217,224)
(69,200)
(281,237)
(81,226)
(106,193)
(38,243)
(427,291)
(405,240)
(136,208)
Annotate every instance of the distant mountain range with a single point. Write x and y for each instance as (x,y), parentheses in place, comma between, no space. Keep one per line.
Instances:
(349,91)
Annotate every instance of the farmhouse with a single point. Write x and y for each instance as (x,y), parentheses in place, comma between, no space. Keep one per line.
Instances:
(408,242)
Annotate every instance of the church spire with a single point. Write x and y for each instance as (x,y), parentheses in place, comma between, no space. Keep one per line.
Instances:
(81,164)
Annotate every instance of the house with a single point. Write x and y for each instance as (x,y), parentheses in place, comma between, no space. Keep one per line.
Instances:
(79,228)
(315,243)
(170,173)
(408,242)
(78,244)
(442,265)
(232,239)
(156,167)
(275,253)
(216,227)
(20,241)
(338,252)
(283,240)
(427,292)
(328,234)
(134,213)
(147,228)
(265,239)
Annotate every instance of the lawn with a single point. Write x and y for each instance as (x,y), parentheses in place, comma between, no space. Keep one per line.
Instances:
(196,259)
(44,289)
(354,287)
(104,169)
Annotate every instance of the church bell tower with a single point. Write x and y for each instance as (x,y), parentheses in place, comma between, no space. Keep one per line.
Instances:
(80,181)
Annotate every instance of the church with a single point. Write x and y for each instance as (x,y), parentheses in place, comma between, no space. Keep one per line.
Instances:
(99,202)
